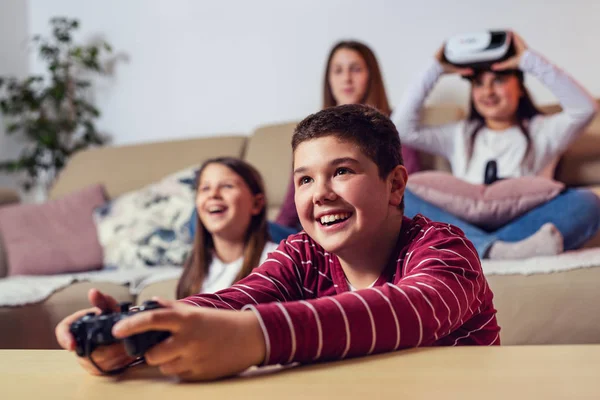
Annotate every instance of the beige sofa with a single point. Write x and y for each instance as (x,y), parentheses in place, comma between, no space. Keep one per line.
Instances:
(544,308)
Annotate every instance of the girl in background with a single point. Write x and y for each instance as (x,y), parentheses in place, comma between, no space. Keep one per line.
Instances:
(233,237)
(352,76)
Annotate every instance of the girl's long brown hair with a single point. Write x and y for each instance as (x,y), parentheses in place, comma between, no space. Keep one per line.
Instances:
(198,262)
(375,95)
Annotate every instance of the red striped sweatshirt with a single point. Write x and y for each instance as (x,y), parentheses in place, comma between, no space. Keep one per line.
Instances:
(433,294)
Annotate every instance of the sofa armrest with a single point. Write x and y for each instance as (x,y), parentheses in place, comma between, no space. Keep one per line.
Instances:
(8,196)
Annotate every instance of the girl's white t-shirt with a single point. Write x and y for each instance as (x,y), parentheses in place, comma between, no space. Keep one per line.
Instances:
(221,275)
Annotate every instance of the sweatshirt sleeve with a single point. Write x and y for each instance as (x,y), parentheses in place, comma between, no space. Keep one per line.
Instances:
(442,289)
(440,139)
(554,133)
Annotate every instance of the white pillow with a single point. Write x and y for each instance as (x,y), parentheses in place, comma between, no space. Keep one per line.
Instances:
(149,226)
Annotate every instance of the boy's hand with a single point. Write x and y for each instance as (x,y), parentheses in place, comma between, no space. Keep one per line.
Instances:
(204,343)
(107,357)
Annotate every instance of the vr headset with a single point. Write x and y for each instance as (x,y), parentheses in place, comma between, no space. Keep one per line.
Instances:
(478,50)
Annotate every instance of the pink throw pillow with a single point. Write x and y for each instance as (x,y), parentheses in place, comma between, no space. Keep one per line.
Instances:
(56,237)
(488,206)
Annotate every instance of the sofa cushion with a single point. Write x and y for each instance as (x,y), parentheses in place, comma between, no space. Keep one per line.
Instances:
(580,164)
(123,169)
(489,206)
(552,308)
(149,226)
(595,241)
(55,237)
(270,152)
(165,289)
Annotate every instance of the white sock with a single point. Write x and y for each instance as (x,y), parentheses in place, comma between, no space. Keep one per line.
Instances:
(547,241)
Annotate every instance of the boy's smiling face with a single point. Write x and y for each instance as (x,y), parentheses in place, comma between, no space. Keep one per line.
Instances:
(342,201)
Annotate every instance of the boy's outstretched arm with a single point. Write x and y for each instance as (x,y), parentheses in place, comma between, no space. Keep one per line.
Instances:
(442,298)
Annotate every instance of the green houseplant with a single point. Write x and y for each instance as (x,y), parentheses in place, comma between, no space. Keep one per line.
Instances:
(52,112)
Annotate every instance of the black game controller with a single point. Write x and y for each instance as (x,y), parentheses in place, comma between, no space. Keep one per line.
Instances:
(94,330)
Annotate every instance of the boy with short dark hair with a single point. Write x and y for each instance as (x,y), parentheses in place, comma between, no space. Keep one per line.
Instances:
(360,279)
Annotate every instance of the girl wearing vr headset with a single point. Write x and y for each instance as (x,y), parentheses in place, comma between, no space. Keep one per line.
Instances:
(505,126)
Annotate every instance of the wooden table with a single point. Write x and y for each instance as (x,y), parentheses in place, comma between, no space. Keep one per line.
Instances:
(523,372)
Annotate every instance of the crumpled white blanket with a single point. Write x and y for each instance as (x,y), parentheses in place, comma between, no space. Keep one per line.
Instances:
(583,258)
(21,290)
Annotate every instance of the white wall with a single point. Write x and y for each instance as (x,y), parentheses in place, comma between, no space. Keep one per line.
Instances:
(13,62)
(200,68)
